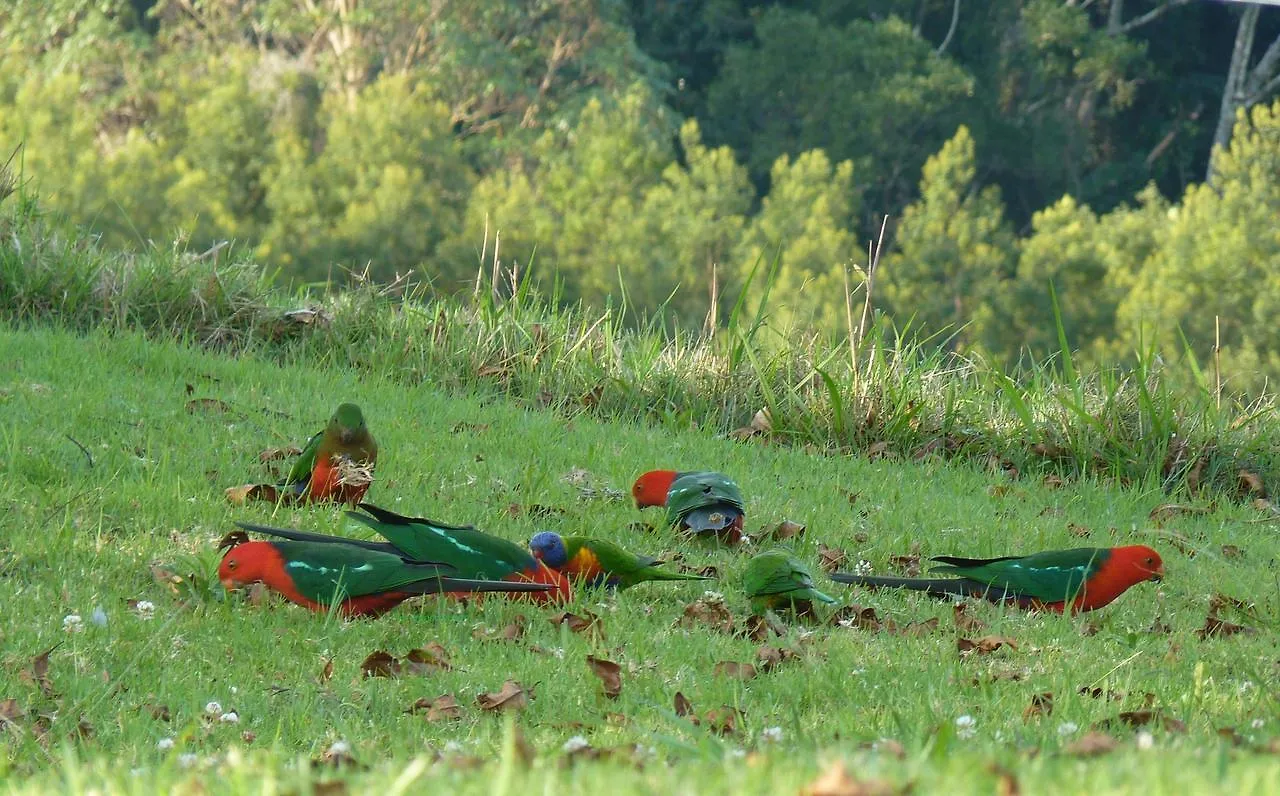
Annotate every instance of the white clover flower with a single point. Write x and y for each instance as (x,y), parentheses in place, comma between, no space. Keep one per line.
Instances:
(1067,728)
(1257,724)
(339,749)
(230,717)
(863,567)
(188,759)
(452,747)
(966,726)
(733,752)
(575,744)
(771,734)
(145,608)
(1146,740)
(213,709)
(713,596)
(164,744)
(72,623)
(1245,686)
(234,690)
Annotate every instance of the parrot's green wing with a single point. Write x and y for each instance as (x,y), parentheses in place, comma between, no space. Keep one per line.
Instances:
(1051,576)
(474,553)
(323,572)
(612,557)
(306,462)
(697,490)
(777,573)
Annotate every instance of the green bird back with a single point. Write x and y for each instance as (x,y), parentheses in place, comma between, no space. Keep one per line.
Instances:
(329,572)
(473,552)
(627,567)
(695,490)
(346,433)
(775,577)
(1052,576)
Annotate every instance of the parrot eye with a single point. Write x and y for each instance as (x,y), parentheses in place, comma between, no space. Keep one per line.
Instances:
(231,564)
(1149,561)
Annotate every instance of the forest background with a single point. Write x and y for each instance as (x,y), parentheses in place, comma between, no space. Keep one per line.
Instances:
(652,154)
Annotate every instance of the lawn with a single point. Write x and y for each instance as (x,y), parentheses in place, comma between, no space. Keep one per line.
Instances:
(115,454)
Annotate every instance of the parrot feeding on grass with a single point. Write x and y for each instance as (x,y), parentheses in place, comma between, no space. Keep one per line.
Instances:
(775,579)
(700,502)
(597,562)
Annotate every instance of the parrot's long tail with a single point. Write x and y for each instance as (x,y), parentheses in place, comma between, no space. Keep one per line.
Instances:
(935,587)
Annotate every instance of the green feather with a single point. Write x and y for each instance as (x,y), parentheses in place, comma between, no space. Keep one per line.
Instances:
(325,573)
(696,490)
(627,567)
(775,578)
(1051,576)
(474,553)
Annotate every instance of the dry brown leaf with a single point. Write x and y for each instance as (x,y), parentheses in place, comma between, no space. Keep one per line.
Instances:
(849,495)
(610,675)
(735,670)
(911,629)
(1006,782)
(831,558)
(1091,744)
(1041,705)
(441,708)
(158,712)
(684,707)
(212,405)
(38,672)
(326,672)
(240,495)
(168,578)
(276,454)
(10,712)
(836,781)
(772,657)
(758,628)
(857,616)
(1218,628)
(879,450)
(723,720)
(512,696)
(907,565)
(1053,481)
(786,530)
(427,660)
(380,663)
(1078,530)
(588,624)
(1230,551)
(706,611)
(233,539)
(966,622)
(984,645)
(1251,483)
(761,423)
(999,490)
(1219,601)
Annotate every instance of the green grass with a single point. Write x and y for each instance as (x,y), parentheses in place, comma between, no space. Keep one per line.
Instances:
(80,536)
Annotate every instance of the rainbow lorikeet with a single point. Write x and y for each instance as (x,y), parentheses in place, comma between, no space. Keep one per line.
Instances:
(700,502)
(471,552)
(775,579)
(597,562)
(364,582)
(1086,577)
(337,463)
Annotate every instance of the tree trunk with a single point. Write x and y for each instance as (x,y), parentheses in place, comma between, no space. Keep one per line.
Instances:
(1233,96)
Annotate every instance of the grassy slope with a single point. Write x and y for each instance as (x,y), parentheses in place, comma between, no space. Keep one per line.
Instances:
(80,537)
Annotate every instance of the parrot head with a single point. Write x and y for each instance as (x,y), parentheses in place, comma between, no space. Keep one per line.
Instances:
(245,563)
(548,547)
(347,423)
(651,488)
(1141,561)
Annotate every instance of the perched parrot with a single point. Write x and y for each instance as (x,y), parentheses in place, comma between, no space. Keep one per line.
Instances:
(472,553)
(699,502)
(367,582)
(599,563)
(776,579)
(337,463)
(1086,577)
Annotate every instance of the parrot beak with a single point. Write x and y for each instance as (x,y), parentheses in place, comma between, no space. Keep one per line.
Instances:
(1156,577)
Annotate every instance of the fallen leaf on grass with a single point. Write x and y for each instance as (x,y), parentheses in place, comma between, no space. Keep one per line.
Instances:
(966,622)
(761,423)
(610,675)
(1251,483)
(1219,601)
(1141,718)
(240,495)
(708,611)
(772,657)
(157,712)
(326,672)
(589,624)
(441,708)
(858,617)
(984,645)
(427,660)
(836,781)
(512,696)
(783,531)
(512,632)
(1053,481)
(380,663)
(276,454)
(1041,705)
(907,565)
(338,755)
(911,629)
(11,712)
(1217,628)
(735,670)
(758,628)
(1091,744)
(38,673)
(1078,530)
(683,707)
(723,720)
(831,558)
(211,405)
(1230,551)
(1006,781)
